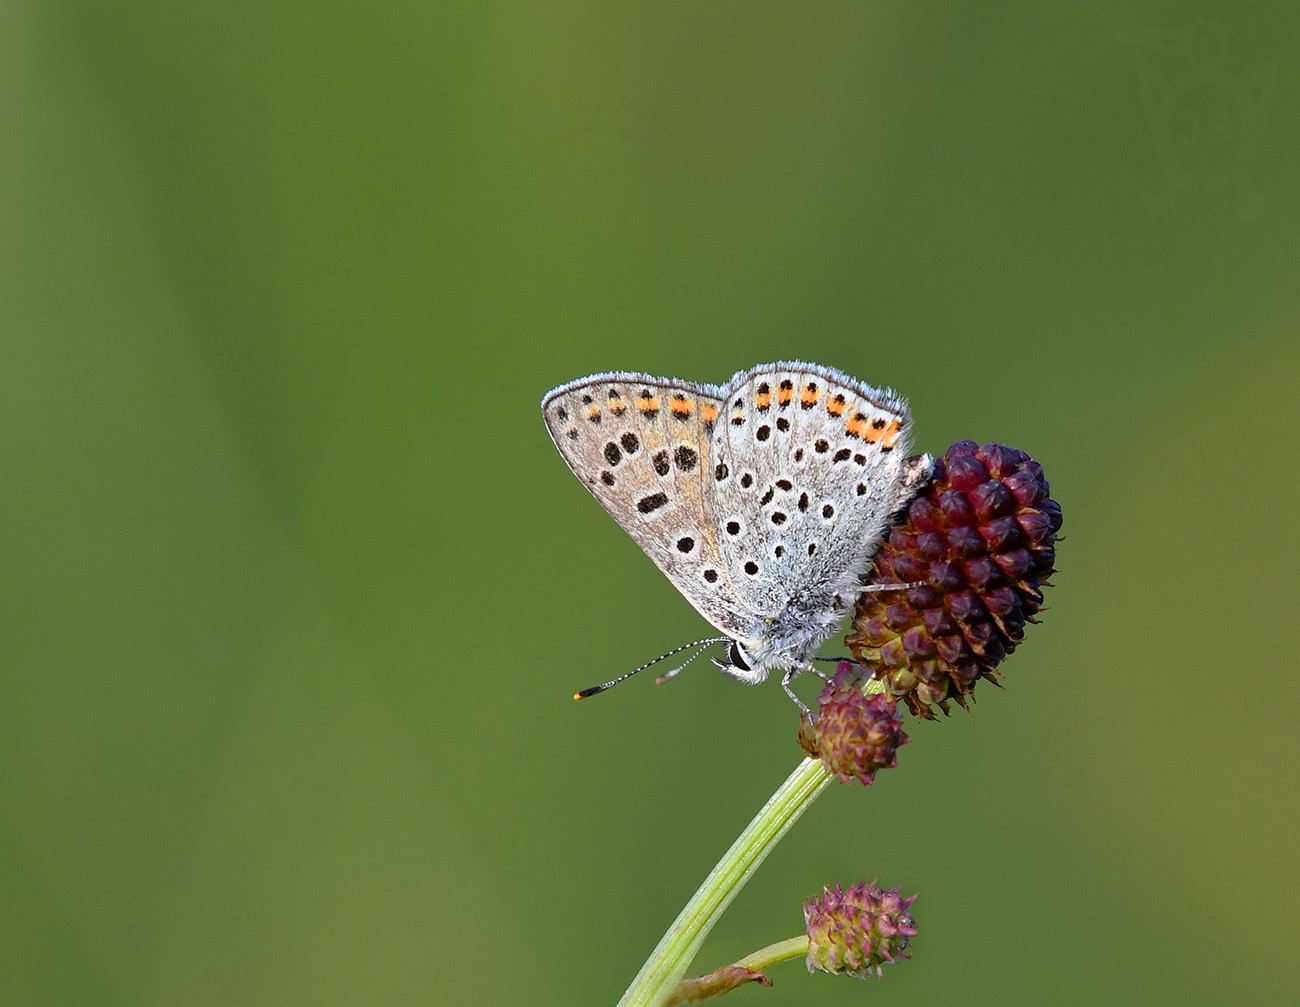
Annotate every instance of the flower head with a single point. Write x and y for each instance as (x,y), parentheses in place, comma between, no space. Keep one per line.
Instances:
(854,734)
(980,542)
(858,931)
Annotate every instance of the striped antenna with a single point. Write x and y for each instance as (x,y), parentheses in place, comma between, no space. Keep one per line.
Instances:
(701,644)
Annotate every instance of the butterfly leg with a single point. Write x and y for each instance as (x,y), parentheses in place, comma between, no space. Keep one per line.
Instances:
(877,588)
(786,679)
(827,660)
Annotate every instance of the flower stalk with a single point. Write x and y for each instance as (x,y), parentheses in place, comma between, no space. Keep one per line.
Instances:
(748,970)
(667,964)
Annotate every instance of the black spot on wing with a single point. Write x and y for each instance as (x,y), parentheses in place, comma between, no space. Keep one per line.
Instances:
(651,503)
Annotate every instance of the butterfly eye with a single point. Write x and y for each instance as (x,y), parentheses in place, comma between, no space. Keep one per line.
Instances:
(736,656)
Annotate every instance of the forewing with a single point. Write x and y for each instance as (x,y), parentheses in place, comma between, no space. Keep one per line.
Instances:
(643,447)
(815,462)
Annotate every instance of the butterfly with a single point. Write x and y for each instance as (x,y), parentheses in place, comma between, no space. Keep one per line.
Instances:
(762,500)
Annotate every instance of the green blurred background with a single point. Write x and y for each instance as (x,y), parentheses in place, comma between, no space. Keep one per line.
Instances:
(296,589)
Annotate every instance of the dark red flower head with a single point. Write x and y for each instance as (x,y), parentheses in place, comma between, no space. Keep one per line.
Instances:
(980,541)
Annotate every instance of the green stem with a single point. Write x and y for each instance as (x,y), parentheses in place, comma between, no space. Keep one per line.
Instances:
(730,977)
(669,961)
(775,954)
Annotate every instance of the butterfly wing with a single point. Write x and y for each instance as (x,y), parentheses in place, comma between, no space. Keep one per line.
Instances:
(816,461)
(643,446)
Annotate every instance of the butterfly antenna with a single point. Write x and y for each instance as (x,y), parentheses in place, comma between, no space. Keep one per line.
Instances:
(661,679)
(583,694)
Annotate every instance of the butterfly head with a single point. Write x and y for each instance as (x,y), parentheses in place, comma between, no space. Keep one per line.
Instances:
(739,662)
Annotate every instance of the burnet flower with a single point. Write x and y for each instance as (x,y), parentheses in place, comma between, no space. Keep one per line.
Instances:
(855,734)
(980,543)
(859,930)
